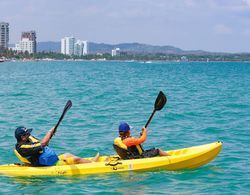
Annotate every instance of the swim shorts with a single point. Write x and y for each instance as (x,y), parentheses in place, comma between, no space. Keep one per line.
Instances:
(150,153)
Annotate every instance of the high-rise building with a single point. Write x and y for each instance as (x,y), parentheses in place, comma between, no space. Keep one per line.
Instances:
(81,48)
(86,48)
(28,42)
(115,52)
(27,45)
(67,45)
(4,35)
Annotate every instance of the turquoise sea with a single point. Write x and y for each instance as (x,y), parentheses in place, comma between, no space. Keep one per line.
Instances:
(207,102)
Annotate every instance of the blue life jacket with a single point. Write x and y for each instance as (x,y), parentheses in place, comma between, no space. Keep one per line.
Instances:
(48,157)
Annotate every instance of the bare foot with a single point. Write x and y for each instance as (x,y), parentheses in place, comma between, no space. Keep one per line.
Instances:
(95,159)
(107,159)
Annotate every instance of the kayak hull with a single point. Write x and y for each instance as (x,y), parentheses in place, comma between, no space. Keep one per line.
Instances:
(186,158)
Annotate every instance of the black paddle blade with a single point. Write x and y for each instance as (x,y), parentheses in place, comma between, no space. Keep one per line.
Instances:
(66,108)
(159,104)
(160,101)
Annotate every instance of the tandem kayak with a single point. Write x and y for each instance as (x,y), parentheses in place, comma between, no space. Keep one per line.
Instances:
(180,159)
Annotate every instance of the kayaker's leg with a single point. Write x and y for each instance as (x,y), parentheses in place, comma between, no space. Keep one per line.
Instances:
(79,160)
(95,159)
(76,160)
(162,153)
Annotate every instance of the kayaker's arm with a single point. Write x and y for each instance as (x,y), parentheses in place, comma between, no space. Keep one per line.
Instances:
(136,141)
(46,139)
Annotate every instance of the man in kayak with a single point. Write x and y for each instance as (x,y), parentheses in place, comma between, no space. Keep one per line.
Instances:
(39,154)
(133,145)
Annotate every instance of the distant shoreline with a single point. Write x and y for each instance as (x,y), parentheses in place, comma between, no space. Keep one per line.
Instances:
(105,60)
(9,55)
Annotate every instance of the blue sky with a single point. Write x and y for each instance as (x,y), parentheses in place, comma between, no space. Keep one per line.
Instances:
(211,25)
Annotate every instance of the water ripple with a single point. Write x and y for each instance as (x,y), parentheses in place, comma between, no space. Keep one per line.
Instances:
(206,102)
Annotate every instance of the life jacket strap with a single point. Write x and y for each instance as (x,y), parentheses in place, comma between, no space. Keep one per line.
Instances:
(21,158)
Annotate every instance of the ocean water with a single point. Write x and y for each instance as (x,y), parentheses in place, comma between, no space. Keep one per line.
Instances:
(207,102)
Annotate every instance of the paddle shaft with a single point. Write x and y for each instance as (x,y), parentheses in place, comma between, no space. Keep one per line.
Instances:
(150,118)
(59,121)
(66,108)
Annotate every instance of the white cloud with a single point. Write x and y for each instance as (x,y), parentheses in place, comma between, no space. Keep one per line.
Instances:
(222,29)
(247,2)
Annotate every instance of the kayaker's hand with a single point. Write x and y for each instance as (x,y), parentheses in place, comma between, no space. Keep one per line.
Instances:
(143,129)
(52,131)
(48,136)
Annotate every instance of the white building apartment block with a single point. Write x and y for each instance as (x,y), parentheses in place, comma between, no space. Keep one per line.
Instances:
(67,45)
(4,35)
(115,52)
(81,48)
(27,45)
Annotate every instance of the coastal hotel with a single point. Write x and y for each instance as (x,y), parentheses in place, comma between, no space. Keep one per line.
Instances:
(26,44)
(71,46)
(4,35)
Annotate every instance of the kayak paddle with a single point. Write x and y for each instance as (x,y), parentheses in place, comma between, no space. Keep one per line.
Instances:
(159,104)
(66,108)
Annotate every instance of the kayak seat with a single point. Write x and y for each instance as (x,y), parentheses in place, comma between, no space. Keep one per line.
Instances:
(22,159)
(125,154)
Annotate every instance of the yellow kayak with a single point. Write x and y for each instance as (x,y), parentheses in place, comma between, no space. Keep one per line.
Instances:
(186,158)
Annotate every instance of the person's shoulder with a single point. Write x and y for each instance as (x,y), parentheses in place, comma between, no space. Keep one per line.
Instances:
(130,138)
(117,138)
(33,139)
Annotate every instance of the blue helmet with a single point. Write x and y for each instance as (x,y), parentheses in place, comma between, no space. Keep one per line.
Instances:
(124,127)
(20,131)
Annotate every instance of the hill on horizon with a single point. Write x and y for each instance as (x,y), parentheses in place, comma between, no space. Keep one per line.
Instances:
(51,46)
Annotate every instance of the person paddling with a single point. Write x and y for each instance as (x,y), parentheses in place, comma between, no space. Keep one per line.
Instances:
(133,145)
(39,154)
